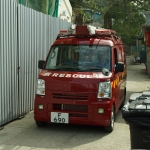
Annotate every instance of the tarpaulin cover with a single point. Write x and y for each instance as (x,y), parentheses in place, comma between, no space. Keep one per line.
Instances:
(136,117)
(139,96)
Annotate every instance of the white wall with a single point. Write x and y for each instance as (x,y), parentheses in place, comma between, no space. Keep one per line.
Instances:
(65,10)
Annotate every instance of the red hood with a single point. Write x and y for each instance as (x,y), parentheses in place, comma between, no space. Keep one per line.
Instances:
(72,81)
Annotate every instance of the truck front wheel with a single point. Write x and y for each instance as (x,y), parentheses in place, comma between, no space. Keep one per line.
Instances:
(112,120)
(40,123)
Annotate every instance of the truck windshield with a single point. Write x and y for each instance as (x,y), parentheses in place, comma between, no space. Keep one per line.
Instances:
(79,58)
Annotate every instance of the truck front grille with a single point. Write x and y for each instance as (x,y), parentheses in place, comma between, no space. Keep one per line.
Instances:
(70,96)
(78,115)
(72,108)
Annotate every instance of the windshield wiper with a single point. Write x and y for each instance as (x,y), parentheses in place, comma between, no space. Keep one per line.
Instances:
(66,69)
(77,69)
(91,69)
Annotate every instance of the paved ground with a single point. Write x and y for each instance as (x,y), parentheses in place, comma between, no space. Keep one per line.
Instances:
(24,135)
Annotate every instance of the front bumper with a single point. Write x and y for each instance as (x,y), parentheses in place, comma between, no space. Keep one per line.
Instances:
(80,112)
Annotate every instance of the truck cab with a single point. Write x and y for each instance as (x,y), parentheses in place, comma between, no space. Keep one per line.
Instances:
(83,79)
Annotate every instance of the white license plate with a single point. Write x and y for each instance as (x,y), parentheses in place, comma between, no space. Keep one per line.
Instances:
(58,117)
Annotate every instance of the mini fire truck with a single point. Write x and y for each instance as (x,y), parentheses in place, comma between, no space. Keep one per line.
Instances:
(83,79)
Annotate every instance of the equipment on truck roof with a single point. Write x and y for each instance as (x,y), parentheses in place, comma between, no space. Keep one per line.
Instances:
(89,31)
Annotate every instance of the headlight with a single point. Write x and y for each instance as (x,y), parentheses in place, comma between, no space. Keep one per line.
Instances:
(40,87)
(104,90)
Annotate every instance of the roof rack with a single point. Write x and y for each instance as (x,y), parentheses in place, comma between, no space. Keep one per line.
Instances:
(88,31)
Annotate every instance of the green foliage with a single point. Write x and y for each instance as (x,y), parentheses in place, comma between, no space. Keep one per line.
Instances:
(127,20)
(79,7)
(124,16)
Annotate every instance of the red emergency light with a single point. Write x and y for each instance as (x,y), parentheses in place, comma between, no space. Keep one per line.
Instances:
(63,32)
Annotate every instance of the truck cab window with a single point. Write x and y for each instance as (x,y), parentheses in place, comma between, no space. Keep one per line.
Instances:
(83,57)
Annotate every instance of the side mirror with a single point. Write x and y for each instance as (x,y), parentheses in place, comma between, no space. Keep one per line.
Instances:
(119,67)
(41,64)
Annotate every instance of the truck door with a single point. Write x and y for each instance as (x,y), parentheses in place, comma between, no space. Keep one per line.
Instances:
(119,88)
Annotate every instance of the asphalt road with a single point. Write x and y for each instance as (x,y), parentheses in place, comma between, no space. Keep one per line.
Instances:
(23,134)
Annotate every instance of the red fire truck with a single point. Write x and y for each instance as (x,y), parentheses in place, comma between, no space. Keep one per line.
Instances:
(83,79)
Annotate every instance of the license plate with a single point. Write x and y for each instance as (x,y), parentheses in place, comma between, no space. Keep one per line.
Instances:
(58,117)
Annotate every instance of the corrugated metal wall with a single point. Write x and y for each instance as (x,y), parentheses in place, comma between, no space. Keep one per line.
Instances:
(8,62)
(25,38)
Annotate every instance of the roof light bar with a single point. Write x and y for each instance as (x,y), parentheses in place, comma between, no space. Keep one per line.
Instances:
(105,32)
(91,30)
(63,32)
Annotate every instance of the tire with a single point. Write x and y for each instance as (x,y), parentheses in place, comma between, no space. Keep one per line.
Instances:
(110,128)
(40,123)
